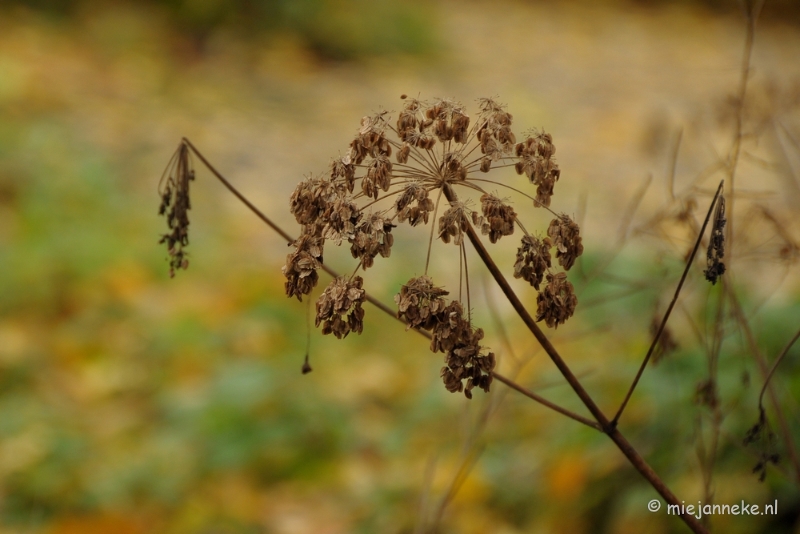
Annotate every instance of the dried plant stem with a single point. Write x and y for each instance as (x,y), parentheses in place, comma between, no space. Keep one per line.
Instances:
(669,309)
(786,434)
(775,364)
(605,425)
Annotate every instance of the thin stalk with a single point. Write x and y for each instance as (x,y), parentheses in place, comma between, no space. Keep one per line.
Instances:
(669,309)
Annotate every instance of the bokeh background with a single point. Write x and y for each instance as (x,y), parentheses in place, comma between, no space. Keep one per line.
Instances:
(135,403)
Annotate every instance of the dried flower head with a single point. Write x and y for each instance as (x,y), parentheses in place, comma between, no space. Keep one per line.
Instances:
(498,217)
(716,245)
(339,308)
(565,235)
(464,359)
(301,266)
(438,147)
(455,221)
(537,163)
(420,303)
(175,205)
(533,260)
(372,236)
(415,192)
(556,301)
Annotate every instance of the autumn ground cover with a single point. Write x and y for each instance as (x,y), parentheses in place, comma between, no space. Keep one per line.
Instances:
(132,402)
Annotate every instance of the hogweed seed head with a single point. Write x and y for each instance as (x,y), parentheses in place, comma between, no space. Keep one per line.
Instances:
(437,146)
(565,235)
(533,260)
(557,301)
(175,205)
(716,245)
(339,308)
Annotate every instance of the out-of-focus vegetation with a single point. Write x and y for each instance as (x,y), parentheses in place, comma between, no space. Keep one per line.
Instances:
(132,403)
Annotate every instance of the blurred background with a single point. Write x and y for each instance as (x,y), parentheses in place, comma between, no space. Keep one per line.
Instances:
(135,403)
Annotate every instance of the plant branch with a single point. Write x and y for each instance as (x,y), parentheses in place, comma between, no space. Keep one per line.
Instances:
(619,440)
(669,309)
(775,366)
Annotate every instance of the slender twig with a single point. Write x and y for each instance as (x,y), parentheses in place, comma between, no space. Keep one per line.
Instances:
(669,309)
(541,400)
(775,364)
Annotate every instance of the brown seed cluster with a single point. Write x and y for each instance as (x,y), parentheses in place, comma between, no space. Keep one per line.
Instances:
(455,222)
(339,308)
(533,260)
(415,192)
(420,303)
(557,301)
(716,246)
(565,235)
(175,205)
(498,217)
(537,163)
(372,236)
(301,266)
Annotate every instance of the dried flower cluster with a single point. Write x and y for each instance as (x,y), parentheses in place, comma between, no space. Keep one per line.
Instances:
(301,266)
(716,245)
(557,301)
(537,163)
(498,217)
(339,308)
(423,305)
(400,172)
(565,234)
(175,205)
(533,259)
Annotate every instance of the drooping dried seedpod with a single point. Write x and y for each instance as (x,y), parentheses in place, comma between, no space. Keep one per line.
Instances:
(339,219)
(339,308)
(310,199)
(565,235)
(498,217)
(557,301)
(716,245)
(301,266)
(414,192)
(533,260)
(464,359)
(372,236)
(455,221)
(343,169)
(537,163)
(175,205)
(420,303)
(379,176)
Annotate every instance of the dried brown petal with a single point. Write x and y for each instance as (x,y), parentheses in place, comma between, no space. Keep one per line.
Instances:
(310,200)
(339,308)
(557,301)
(379,176)
(343,169)
(533,260)
(565,235)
